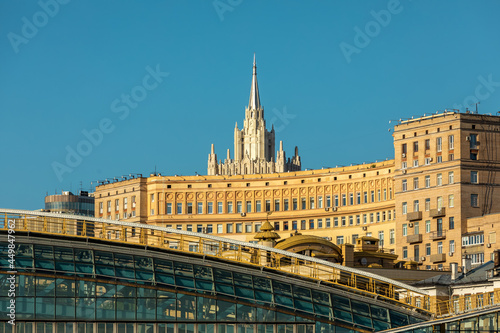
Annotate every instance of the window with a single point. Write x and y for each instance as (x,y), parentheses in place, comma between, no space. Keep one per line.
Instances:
(179,208)
(248,228)
(427,161)
(358,219)
(351,221)
(276,226)
(405,252)
(354,238)
(390,193)
(276,205)
(427,204)
(328,223)
(415,146)
(303,224)
(427,181)
(351,199)
(440,247)
(372,195)
(210,208)
(294,225)
(133,213)
(229,228)
(403,148)
(416,228)
(125,203)
(311,224)
(381,238)
(404,165)
(451,200)
(392,239)
(439,159)
(365,197)
(427,226)
(378,195)
(294,203)
(439,179)
(451,222)
(358,198)
(451,177)
(415,183)
(249,206)
(199,228)
(343,221)
(220,208)
(451,157)
(285,205)
(303,203)
(439,202)
(320,223)
(190,208)
(405,229)
(371,218)
(320,201)
(427,144)
(311,203)
(344,201)
(336,200)
(365,218)
(451,142)
(268,204)
(117,204)
(404,185)
(340,240)
(152,197)
(473,200)
(335,221)
(328,201)
(404,208)
(473,141)
(189,227)
(473,156)
(439,144)
(385,194)
(415,163)
(239,207)
(452,246)
(258,208)
(416,206)
(230,207)
(473,177)
(428,249)
(169,209)
(220,229)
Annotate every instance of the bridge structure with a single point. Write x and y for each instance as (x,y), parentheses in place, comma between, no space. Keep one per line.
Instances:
(83,274)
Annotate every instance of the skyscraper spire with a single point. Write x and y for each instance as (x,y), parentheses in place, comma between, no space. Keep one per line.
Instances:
(254,102)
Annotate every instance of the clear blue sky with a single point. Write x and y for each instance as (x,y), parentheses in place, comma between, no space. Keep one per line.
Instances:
(65,69)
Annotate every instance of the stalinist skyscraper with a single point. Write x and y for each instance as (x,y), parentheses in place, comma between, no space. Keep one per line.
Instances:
(253,145)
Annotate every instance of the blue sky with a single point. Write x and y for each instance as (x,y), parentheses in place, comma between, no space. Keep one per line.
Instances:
(331,75)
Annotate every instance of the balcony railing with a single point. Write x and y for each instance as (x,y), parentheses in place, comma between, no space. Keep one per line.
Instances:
(439,212)
(413,216)
(417,238)
(440,234)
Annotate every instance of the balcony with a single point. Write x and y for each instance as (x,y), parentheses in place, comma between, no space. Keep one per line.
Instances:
(436,235)
(417,238)
(438,212)
(413,216)
(440,257)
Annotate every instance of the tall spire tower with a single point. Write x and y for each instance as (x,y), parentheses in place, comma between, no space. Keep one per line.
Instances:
(254,144)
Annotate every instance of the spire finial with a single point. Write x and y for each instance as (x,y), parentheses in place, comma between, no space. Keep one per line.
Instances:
(254,102)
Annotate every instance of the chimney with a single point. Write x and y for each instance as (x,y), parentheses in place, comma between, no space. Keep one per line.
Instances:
(454,271)
(466,264)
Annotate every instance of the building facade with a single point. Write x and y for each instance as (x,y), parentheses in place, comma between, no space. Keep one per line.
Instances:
(253,144)
(69,203)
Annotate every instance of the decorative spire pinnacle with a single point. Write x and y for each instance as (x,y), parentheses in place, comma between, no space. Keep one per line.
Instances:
(254,102)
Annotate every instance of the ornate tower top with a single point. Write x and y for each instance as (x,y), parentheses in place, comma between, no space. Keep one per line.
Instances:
(254,102)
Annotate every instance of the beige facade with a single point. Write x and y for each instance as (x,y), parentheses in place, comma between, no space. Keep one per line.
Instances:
(340,204)
(446,172)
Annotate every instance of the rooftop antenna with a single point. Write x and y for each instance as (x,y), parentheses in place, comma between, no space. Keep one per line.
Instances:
(476,106)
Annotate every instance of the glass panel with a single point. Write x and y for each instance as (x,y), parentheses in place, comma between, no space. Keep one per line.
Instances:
(323,310)
(488,322)
(224,288)
(143,263)
(302,293)
(362,320)
(123,260)
(343,315)
(105,309)
(341,302)
(63,254)
(282,288)
(361,308)
(223,276)
(319,297)
(186,307)
(144,276)
(44,252)
(65,266)
(105,290)
(265,315)
(23,262)
(164,278)
(262,284)
(45,286)
(82,255)
(84,268)
(24,250)
(166,306)
(165,266)
(226,311)
(242,280)
(45,307)
(283,300)
(262,296)
(303,305)
(244,292)
(65,288)
(398,318)
(204,285)
(183,269)
(379,313)
(25,308)
(44,264)
(469,324)
(246,313)
(85,289)
(184,282)
(126,291)
(25,285)
(65,308)
(125,273)
(380,325)
(85,308)
(202,272)
(207,309)
(104,258)
(105,270)
(146,308)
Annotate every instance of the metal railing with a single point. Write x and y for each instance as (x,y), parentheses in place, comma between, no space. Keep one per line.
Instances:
(350,279)
(465,303)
